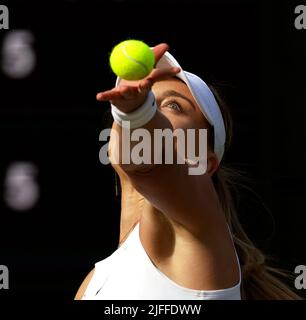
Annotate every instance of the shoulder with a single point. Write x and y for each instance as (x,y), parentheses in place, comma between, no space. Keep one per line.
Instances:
(84,285)
(98,274)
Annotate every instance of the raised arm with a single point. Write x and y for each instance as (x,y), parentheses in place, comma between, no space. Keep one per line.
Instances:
(168,187)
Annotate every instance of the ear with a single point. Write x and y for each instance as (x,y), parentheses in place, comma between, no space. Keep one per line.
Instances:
(212,163)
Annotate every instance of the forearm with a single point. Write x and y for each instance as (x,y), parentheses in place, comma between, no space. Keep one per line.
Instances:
(130,141)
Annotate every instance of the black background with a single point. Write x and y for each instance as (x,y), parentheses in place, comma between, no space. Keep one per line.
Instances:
(249,49)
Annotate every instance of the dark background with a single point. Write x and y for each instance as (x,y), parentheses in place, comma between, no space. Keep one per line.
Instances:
(249,50)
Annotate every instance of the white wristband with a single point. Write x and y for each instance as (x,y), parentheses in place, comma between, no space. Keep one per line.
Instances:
(138,117)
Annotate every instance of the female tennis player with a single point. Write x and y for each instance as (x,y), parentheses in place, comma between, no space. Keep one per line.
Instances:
(180,237)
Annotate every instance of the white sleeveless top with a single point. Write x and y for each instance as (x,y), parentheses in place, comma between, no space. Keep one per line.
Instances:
(129,274)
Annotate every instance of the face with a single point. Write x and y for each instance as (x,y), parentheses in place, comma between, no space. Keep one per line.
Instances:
(177,104)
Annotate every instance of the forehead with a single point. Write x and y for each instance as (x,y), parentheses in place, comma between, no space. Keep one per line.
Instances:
(173,84)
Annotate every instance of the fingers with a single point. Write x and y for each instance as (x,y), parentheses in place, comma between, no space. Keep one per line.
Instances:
(162,74)
(129,92)
(145,84)
(159,51)
(108,95)
(157,75)
(126,92)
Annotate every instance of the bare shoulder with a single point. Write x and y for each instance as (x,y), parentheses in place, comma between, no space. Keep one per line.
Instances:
(84,285)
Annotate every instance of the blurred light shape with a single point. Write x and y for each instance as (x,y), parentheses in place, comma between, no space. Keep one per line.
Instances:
(18,56)
(21,191)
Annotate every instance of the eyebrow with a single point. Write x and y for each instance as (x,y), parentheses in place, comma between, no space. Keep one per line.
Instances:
(173,93)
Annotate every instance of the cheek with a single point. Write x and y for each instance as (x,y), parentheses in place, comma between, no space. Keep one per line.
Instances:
(180,121)
(188,122)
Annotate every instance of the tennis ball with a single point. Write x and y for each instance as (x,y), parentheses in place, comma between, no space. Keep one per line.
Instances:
(132,60)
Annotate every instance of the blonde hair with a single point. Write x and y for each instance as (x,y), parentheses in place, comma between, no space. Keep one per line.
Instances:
(259,280)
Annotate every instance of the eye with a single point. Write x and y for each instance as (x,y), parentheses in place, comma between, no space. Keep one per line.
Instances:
(173,105)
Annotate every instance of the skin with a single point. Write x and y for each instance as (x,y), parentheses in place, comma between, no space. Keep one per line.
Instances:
(181,221)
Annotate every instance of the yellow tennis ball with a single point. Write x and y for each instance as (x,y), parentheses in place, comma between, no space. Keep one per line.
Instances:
(132,60)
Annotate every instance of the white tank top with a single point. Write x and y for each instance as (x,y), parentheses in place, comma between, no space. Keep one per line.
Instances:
(129,274)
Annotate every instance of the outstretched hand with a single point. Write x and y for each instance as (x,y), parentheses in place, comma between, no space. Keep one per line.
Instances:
(129,95)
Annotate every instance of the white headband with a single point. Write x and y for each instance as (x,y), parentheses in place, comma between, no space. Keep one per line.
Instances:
(204,98)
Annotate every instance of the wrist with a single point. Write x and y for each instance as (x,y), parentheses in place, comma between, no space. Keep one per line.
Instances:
(138,117)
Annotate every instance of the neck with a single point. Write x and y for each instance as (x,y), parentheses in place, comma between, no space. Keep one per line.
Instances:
(131,208)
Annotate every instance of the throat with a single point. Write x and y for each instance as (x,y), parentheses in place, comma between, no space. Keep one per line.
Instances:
(131,211)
